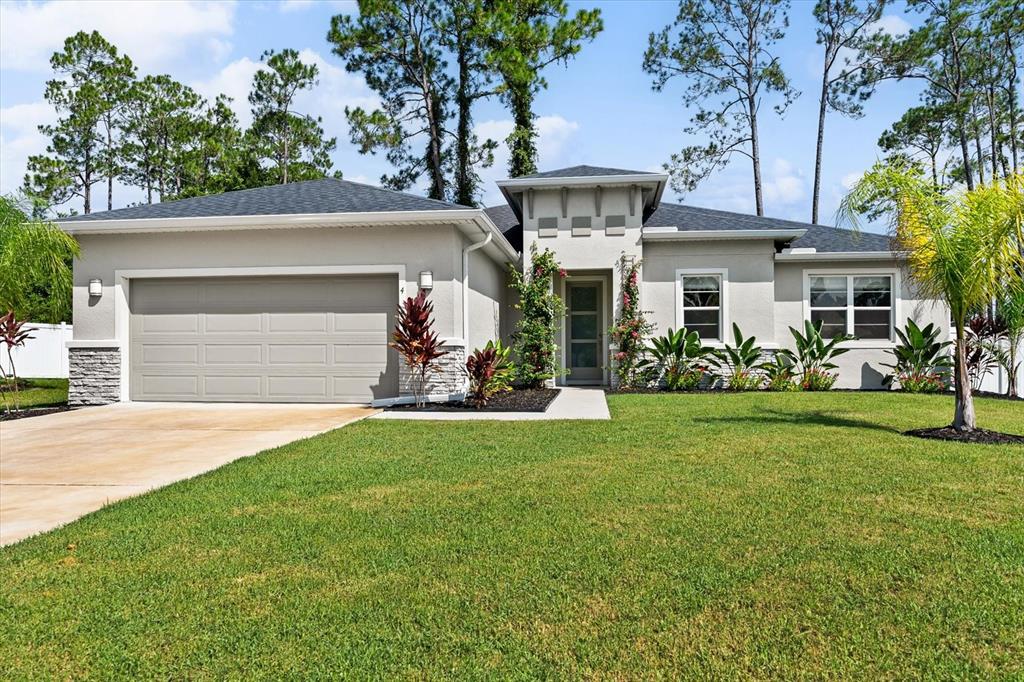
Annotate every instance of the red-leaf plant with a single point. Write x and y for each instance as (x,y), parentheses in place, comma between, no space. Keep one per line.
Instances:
(13,333)
(417,343)
(489,372)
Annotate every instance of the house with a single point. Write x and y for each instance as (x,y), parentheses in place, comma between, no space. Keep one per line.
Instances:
(288,293)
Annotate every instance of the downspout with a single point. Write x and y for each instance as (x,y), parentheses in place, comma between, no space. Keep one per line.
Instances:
(465,295)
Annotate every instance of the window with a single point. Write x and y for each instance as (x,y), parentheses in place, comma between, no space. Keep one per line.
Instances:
(702,305)
(860,305)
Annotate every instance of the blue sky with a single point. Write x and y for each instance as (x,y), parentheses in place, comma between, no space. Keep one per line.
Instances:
(600,110)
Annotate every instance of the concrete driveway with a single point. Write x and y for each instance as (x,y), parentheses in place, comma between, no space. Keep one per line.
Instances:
(58,467)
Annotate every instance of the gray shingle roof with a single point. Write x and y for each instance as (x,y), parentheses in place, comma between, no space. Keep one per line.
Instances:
(820,237)
(328,195)
(584,172)
(504,218)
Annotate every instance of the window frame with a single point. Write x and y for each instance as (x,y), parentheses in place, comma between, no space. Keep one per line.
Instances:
(722,274)
(850,308)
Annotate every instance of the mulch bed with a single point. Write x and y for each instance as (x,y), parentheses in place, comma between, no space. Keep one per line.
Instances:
(31,412)
(983,436)
(997,396)
(521,400)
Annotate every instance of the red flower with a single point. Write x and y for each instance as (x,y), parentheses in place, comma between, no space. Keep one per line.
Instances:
(561,272)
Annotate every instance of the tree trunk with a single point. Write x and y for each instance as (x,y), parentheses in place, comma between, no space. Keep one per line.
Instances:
(523,150)
(963,417)
(284,159)
(87,181)
(464,186)
(1011,374)
(935,170)
(434,151)
(965,151)
(755,156)
(822,106)
(1011,79)
(977,144)
(993,131)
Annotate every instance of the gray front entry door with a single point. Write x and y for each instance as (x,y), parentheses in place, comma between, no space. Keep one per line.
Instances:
(263,339)
(586,333)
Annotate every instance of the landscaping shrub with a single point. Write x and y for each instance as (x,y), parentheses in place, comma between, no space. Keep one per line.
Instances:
(778,373)
(983,334)
(416,342)
(813,356)
(489,372)
(534,339)
(680,358)
(737,363)
(13,333)
(630,330)
(919,355)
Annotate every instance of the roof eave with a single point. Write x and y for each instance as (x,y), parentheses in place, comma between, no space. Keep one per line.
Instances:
(587,180)
(840,255)
(672,234)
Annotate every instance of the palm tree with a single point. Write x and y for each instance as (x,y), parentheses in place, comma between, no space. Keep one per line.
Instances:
(963,248)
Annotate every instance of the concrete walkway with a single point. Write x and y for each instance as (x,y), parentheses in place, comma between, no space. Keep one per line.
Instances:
(571,403)
(58,467)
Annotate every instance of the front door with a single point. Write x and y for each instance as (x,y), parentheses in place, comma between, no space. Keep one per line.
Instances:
(586,333)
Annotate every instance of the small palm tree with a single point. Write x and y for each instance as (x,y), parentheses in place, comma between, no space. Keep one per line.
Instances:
(964,248)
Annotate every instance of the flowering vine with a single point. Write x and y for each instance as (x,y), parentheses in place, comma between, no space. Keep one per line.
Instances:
(542,310)
(630,329)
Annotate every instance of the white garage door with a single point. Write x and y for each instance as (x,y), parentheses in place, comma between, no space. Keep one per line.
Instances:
(263,339)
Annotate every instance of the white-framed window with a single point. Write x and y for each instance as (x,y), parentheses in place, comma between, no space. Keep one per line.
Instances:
(702,302)
(858,304)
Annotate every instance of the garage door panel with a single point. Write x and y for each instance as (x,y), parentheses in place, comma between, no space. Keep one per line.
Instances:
(170,354)
(297,386)
(233,354)
(297,354)
(291,339)
(220,323)
(244,388)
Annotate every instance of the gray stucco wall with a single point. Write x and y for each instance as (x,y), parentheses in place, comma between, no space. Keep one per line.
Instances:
(749,269)
(488,299)
(862,366)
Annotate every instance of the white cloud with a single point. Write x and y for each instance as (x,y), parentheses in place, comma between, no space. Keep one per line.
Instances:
(554,132)
(336,90)
(784,184)
(891,24)
(19,139)
(850,179)
(346,6)
(154,34)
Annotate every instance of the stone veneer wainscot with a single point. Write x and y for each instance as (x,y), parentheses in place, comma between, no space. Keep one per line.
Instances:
(94,376)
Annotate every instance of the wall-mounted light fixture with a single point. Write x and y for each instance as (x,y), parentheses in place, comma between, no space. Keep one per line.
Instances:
(95,287)
(426,280)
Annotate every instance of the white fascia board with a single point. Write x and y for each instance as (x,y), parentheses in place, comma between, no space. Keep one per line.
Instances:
(590,181)
(672,234)
(840,255)
(245,222)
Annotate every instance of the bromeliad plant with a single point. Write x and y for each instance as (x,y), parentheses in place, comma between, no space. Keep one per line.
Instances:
(778,373)
(920,358)
(489,372)
(813,356)
(737,364)
(630,329)
(417,343)
(681,359)
(534,339)
(13,333)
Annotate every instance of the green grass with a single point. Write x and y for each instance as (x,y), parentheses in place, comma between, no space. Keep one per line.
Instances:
(725,536)
(42,393)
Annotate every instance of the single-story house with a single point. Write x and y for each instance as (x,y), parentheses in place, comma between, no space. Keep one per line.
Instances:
(288,293)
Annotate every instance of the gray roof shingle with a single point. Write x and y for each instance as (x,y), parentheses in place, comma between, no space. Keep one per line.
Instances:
(820,237)
(584,172)
(504,218)
(327,195)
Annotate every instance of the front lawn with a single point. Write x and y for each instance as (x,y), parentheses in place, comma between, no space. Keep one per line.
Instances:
(42,393)
(714,535)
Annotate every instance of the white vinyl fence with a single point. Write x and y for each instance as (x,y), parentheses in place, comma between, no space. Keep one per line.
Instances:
(45,356)
(996,381)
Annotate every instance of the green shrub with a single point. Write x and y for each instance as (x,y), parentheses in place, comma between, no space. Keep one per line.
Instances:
(817,380)
(778,373)
(813,356)
(918,355)
(922,383)
(678,356)
(534,339)
(736,363)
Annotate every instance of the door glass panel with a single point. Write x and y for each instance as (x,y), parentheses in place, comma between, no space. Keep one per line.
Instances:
(584,326)
(584,354)
(583,299)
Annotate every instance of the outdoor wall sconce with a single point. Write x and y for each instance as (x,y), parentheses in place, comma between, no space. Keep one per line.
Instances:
(426,280)
(96,287)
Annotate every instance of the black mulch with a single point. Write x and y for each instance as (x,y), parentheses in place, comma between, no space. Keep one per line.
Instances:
(997,396)
(521,400)
(983,436)
(32,412)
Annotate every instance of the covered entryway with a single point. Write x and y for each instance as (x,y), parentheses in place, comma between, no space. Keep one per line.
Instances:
(584,347)
(263,339)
